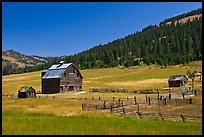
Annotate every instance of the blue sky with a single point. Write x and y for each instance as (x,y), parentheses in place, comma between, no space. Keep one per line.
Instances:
(66,28)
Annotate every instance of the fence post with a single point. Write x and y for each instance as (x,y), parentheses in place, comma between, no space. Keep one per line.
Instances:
(169,94)
(160,97)
(190,100)
(195,92)
(82,105)
(157,94)
(127,98)
(183,95)
(165,101)
(161,116)
(104,104)
(113,98)
(149,100)
(182,117)
(123,111)
(146,98)
(92,98)
(111,108)
(140,115)
(99,98)
(138,107)
(135,100)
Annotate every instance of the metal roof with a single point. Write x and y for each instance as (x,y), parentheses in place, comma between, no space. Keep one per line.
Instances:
(176,77)
(26,89)
(60,66)
(54,73)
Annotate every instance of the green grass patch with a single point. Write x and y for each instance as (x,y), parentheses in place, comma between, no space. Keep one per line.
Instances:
(19,123)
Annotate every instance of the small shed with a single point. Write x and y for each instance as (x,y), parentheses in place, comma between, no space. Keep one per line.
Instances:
(177,80)
(26,92)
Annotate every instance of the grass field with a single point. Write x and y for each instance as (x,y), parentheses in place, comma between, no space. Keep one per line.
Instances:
(40,124)
(65,116)
(145,77)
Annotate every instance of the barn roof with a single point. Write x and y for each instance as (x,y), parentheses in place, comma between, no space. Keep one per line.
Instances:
(177,77)
(56,71)
(26,89)
(60,66)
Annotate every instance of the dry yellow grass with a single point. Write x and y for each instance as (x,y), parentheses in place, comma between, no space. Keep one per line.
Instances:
(144,77)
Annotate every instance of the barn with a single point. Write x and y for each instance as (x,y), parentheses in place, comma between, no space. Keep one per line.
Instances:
(60,78)
(26,92)
(177,80)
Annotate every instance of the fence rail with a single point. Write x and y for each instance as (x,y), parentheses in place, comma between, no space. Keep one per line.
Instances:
(143,108)
(109,90)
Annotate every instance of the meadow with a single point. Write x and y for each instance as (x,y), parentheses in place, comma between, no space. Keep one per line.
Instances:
(65,116)
(144,77)
(41,124)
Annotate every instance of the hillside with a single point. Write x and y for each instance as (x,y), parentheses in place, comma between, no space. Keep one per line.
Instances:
(177,40)
(12,60)
(20,60)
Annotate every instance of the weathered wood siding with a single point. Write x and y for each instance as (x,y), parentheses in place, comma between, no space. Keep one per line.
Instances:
(178,83)
(71,80)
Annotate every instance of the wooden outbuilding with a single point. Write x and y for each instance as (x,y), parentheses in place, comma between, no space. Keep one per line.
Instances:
(26,92)
(60,78)
(177,80)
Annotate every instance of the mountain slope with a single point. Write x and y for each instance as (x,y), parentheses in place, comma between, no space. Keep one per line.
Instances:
(164,44)
(17,59)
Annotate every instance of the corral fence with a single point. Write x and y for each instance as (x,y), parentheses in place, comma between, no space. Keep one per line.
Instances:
(153,108)
(110,90)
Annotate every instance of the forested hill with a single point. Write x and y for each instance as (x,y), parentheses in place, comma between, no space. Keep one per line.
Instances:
(177,40)
(164,44)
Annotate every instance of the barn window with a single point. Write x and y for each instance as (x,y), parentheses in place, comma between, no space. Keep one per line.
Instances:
(65,74)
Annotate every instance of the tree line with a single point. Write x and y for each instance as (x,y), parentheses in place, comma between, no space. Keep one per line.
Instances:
(163,44)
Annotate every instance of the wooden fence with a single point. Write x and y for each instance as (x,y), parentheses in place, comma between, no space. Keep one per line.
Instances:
(153,108)
(110,90)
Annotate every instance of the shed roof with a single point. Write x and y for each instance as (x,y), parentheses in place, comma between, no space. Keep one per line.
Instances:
(26,89)
(177,77)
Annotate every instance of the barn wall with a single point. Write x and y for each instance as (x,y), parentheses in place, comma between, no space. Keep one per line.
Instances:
(22,95)
(51,85)
(72,81)
(174,83)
